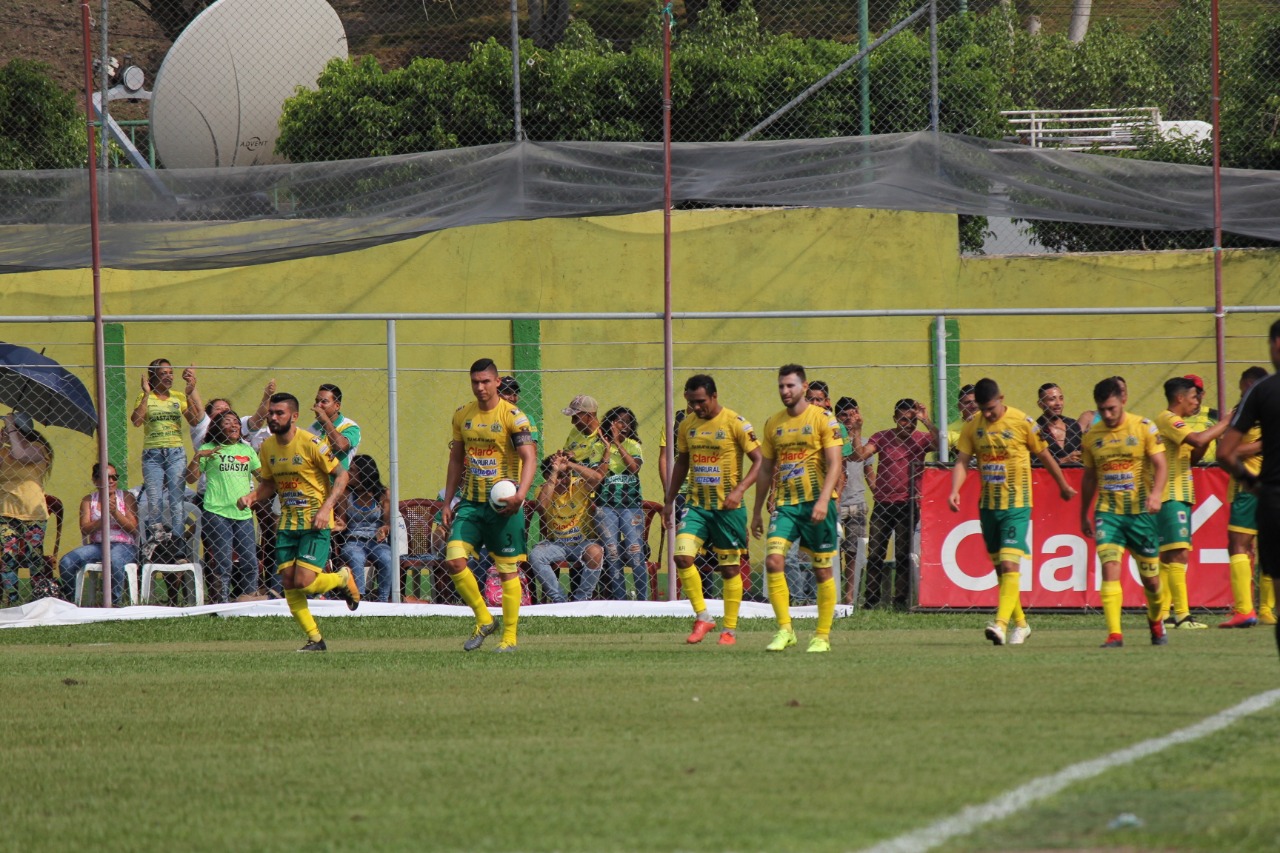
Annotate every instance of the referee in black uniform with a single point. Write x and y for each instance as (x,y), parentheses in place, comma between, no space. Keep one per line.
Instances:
(1261,406)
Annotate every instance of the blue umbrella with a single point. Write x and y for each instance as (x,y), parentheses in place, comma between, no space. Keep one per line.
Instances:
(36,384)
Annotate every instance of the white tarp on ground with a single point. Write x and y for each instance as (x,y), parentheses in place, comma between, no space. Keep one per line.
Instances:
(53,611)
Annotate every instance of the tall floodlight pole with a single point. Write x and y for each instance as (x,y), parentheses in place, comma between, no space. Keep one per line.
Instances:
(668,348)
(1219,314)
(105,489)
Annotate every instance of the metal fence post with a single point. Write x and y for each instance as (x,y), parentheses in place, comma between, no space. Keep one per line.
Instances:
(393,459)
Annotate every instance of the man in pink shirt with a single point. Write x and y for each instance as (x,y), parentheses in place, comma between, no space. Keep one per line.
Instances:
(895,511)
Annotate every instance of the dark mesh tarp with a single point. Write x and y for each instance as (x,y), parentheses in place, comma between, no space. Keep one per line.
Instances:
(192,219)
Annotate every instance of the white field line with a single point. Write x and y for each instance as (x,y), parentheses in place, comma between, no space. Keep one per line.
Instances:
(1012,802)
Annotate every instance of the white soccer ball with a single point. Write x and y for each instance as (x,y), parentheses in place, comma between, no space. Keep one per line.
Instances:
(500,493)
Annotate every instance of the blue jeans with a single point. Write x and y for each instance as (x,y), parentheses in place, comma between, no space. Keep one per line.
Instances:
(164,473)
(356,552)
(227,537)
(621,532)
(73,562)
(546,553)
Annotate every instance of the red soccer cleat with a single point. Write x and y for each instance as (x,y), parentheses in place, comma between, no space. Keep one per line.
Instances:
(1240,620)
(727,638)
(700,630)
(1114,641)
(1158,635)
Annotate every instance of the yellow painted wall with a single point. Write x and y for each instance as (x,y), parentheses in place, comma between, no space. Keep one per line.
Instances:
(722,261)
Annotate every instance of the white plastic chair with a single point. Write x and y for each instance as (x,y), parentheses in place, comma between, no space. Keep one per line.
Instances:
(131,573)
(195,567)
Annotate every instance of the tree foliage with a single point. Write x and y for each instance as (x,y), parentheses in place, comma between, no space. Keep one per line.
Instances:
(43,125)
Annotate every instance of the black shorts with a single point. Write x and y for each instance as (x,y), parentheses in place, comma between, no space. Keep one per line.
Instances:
(1269,530)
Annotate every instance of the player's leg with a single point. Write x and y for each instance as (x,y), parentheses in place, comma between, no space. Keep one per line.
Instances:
(694,530)
(783,530)
(820,542)
(465,535)
(1241,530)
(295,580)
(1142,535)
(728,541)
(1174,532)
(505,537)
(1110,549)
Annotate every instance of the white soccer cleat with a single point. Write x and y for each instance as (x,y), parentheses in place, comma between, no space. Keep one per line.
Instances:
(1018,636)
(995,634)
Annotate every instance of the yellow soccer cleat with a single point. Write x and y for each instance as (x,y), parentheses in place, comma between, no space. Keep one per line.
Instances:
(818,645)
(784,639)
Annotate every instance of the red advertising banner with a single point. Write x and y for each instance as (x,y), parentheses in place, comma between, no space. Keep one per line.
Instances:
(1063,570)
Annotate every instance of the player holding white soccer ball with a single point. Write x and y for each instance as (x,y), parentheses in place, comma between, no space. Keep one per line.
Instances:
(493,458)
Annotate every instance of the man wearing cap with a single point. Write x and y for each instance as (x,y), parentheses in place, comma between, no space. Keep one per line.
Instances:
(1202,418)
(584,442)
(509,390)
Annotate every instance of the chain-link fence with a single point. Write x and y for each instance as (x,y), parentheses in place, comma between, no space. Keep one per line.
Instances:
(1126,79)
(183,396)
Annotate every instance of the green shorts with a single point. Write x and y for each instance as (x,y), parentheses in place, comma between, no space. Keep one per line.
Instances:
(475,523)
(1004,531)
(1136,533)
(1174,523)
(791,524)
(306,548)
(1244,514)
(725,530)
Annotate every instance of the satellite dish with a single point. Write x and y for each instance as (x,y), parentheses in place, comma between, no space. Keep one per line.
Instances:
(218,95)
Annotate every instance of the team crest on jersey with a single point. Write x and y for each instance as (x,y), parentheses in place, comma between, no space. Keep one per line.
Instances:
(808,430)
(1131,441)
(1007,434)
(297,460)
(720,435)
(495,427)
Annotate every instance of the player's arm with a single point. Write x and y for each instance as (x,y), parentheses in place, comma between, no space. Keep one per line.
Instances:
(1051,465)
(679,473)
(1088,492)
(1159,479)
(339,487)
(590,474)
(833,456)
(528,453)
(452,479)
(738,493)
(1231,455)
(764,481)
(959,473)
(264,491)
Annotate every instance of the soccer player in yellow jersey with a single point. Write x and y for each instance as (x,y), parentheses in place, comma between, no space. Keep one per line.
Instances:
(1124,469)
(1004,440)
(710,444)
(801,451)
(300,468)
(1242,529)
(492,441)
(1183,447)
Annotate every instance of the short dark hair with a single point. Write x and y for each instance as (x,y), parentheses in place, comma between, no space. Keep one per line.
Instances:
(1106,389)
(1045,387)
(965,391)
(97,470)
(285,397)
(153,369)
(792,370)
(1254,374)
(208,407)
(821,387)
(483,365)
(1275,330)
(845,404)
(1177,385)
(332,389)
(903,405)
(985,391)
(700,380)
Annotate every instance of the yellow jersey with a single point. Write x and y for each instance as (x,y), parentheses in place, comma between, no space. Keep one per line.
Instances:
(1119,459)
(162,423)
(1177,453)
(796,446)
(567,516)
(300,469)
(715,449)
(585,449)
(1003,450)
(1199,422)
(489,441)
(1252,464)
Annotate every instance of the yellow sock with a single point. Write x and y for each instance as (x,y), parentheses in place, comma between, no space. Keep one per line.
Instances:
(692,583)
(465,583)
(1241,583)
(1178,589)
(1153,602)
(1166,590)
(323,582)
(1019,617)
(1009,594)
(510,609)
(1112,598)
(826,607)
(780,598)
(297,600)
(1266,593)
(732,601)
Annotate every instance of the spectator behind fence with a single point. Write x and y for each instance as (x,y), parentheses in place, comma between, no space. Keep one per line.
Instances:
(564,502)
(509,390)
(1202,418)
(858,475)
(159,410)
(248,425)
(584,442)
(366,508)
(339,431)
(968,408)
(228,463)
(124,545)
(899,449)
(620,505)
(1061,434)
(26,457)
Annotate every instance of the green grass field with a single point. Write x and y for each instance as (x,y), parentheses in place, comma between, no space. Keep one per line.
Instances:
(212,734)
